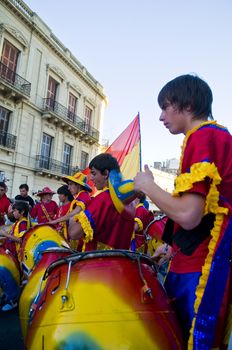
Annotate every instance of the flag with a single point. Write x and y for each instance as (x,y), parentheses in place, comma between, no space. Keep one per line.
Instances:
(127,149)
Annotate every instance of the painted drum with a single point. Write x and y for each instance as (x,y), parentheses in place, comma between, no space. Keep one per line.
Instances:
(35,286)
(36,241)
(9,277)
(103,300)
(154,233)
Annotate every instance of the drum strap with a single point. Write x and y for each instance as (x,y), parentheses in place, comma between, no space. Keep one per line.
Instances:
(188,240)
(45,212)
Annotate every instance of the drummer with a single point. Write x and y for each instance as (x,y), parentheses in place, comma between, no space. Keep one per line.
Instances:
(101,225)
(46,209)
(142,218)
(20,210)
(77,185)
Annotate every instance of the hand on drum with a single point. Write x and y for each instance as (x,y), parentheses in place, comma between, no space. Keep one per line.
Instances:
(143,180)
(162,254)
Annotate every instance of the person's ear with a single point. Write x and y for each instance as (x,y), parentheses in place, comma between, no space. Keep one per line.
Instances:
(106,174)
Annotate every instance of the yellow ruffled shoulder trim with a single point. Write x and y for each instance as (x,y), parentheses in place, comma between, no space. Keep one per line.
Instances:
(184,182)
(80,204)
(86,227)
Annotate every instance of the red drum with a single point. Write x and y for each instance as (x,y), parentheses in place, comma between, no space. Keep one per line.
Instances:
(36,241)
(103,300)
(34,287)
(154,232)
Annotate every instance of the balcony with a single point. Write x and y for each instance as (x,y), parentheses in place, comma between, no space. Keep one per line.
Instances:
(61,115)
(50,166)
(13,85)
(7,140)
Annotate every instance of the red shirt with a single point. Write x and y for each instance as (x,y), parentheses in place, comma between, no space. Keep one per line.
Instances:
(143,217)
(4,205)
(212,144)
(110,228)
(51,209)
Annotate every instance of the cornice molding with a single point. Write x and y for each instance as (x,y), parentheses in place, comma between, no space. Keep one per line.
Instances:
(75,87)
(15,33)
(57,71)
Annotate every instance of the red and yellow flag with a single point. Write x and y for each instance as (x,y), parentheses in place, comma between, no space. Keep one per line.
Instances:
(127,149)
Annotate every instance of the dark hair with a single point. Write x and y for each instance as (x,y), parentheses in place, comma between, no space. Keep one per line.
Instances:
(104,161)
(65,191)
(141,196)
(24,186)
(22,207)
(3,185)
(188,91)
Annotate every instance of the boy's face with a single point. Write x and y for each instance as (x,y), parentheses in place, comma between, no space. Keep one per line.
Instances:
(74,188)
(23,192)
(16,214)
(47,197)
(62,197)
(100,181)
(174,119)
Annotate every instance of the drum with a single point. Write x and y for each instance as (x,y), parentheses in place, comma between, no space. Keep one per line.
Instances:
(36,241)
(34,287)
(103,300)
(9,277)
(154,233)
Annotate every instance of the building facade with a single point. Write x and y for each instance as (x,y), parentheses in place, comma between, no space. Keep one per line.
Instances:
(163,178)
(51,107)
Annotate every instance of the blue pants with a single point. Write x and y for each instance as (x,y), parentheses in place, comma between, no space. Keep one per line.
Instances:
(181,288)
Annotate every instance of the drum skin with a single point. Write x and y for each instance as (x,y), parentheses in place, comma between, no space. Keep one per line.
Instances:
(103,305)
(34,285)
(37,240)
(9,277)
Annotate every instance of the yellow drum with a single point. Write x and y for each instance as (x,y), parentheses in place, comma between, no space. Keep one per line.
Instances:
(9,277)
(36,241)
(34,287)
(103,300)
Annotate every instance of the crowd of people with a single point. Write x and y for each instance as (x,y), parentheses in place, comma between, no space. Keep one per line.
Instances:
(197,237)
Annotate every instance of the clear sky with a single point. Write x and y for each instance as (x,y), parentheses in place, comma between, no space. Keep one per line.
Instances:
(134,47)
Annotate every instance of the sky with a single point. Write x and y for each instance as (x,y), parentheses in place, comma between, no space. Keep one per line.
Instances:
(133,48)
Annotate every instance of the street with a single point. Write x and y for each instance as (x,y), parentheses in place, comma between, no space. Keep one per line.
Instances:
(10,332)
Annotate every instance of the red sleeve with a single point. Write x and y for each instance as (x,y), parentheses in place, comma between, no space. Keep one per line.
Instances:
(199,149)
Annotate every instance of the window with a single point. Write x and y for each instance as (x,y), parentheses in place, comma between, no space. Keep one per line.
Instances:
(9,59)
(51,93)
(72,104)
(88,116)
(5,139)
(84,160)
(67,155)
(46,151)
(4,119)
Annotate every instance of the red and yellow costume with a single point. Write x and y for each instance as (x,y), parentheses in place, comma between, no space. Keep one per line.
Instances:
(44,212)
(18,230)
(142,217)
(82,200)
(206,169)
(104,227)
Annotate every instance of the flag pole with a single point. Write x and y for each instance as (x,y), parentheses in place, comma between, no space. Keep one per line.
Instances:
(140,150)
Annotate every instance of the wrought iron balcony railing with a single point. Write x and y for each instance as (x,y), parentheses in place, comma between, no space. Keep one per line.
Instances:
(54,166)
(51,105)
(15,80)
(7,140)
